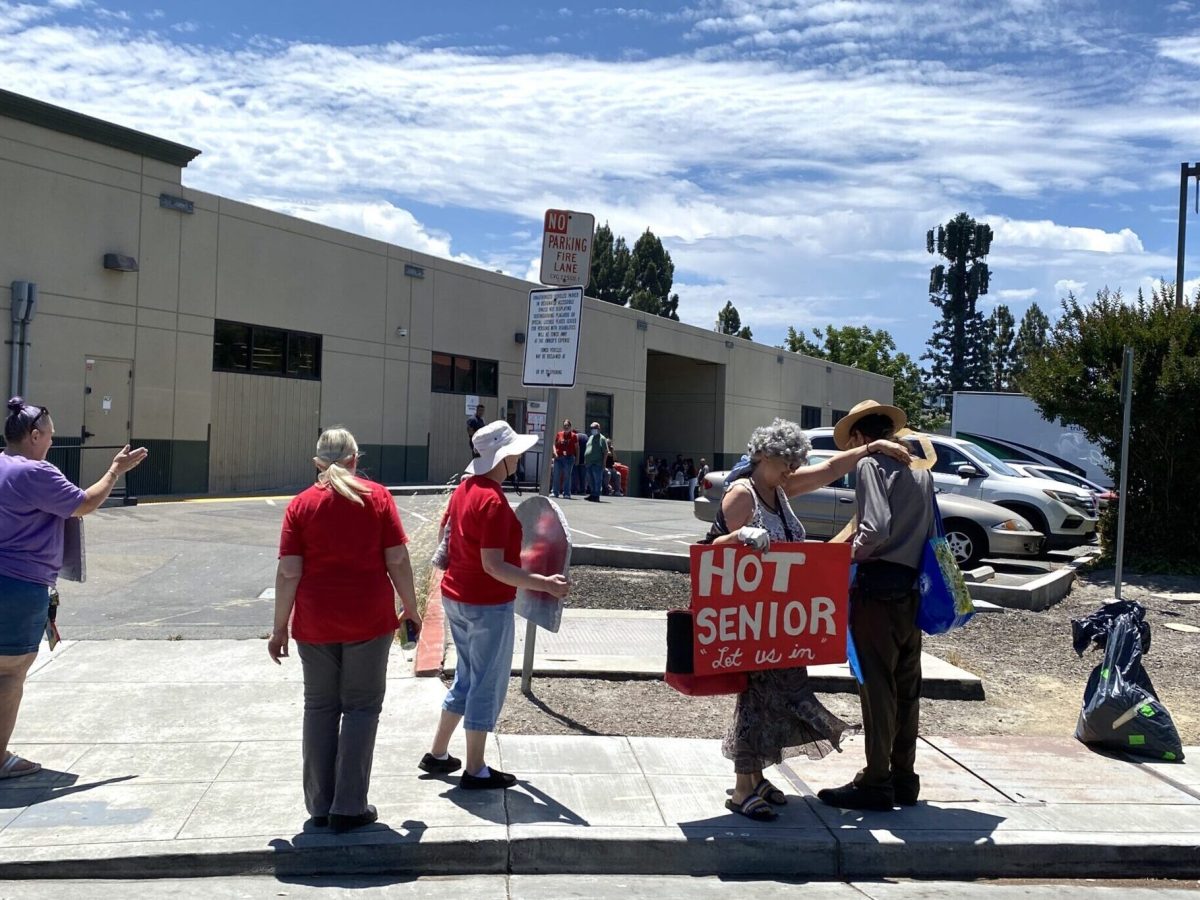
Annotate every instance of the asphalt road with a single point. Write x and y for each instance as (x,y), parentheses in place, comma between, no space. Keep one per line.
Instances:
(199,569)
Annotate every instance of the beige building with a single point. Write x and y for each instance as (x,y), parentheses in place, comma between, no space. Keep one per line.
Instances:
(223,336)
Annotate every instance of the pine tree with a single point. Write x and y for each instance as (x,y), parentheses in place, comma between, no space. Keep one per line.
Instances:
(730,322)
(648,278)
(610,259)
(957,352)
(1030,343)
(1001,335)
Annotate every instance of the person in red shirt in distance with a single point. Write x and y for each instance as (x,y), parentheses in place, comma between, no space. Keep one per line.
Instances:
(482,575)
(341,554)
(566,448)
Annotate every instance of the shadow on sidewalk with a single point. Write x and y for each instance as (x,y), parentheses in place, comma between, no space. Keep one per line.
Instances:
(560,717)
(380,832)
(528,806)
(51,784)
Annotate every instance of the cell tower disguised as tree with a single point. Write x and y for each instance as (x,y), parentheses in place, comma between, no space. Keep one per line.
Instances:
(958,350)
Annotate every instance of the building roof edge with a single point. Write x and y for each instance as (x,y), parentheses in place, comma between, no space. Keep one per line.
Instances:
(67,121)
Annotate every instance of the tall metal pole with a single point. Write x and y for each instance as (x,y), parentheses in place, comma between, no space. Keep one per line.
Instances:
(1183,186)
(545,482)
(1123,496)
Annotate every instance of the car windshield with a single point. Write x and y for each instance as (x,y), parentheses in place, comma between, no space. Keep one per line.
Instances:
(991,463)
(1068,478)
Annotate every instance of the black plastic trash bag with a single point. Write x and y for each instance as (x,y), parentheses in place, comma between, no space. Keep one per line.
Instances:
(1120,710)
(1094,629)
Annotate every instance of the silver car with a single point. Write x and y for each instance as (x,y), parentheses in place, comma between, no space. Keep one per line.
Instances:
(974,529)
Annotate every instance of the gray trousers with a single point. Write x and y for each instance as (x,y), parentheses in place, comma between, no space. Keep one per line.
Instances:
(343,695)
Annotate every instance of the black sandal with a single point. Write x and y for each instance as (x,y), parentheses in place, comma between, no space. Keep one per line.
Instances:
(770,793)
(753,807)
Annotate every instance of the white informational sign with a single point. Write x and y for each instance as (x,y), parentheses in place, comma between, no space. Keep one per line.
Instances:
(552,338)
(536,406)
(567,248)
(472,402)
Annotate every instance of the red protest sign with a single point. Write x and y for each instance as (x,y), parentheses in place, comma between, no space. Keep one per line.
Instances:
(776,610)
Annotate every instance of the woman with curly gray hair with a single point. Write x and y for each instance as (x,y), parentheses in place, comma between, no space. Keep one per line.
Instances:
(778,715)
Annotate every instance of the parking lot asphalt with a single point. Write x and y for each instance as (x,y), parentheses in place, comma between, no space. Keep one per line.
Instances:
(199,569)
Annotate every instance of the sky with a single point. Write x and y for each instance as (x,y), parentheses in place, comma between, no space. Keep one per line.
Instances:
(790,155)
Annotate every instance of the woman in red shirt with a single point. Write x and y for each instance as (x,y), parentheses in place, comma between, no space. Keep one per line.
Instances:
(481,580)
(341,555)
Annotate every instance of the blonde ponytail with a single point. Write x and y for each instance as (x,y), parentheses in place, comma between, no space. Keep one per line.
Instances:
(336,450)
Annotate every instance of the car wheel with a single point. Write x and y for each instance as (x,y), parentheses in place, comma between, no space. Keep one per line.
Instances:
(967,542)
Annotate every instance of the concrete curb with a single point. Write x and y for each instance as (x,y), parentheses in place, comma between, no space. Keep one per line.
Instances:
(431,645)
(1036,595)
(419,490)
(695,850)
(628,558)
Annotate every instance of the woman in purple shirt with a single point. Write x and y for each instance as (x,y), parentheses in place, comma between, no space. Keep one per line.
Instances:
(35,502)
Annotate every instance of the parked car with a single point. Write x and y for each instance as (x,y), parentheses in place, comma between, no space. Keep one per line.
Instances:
(1103,495)
(974,529)
(1065,514)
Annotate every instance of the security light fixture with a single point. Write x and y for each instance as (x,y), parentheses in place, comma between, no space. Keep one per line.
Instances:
(779,359)
(519,337)
(643,325)
(120,263)
(413,271)
(179,204)
(729,344)
(402,332)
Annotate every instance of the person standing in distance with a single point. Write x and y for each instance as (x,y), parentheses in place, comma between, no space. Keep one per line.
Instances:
(566,447)
(895,520)
(594,455)
(473,425)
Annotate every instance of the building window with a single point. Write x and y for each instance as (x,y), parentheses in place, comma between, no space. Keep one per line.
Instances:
(259,350)
(810,417)
(598,408)
(839,414)
(465,375)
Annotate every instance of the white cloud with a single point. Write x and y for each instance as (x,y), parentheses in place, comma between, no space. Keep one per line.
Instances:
(1065,286)
(1016,295)
(1051,235)
(792,187)
(1181,49)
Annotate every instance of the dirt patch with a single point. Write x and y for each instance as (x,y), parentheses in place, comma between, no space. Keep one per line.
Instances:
(1031,676)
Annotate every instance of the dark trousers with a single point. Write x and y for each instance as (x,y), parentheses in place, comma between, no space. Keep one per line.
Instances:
(883,621)
(343,695)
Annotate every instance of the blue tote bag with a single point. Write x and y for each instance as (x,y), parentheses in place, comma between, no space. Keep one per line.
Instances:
(945,602)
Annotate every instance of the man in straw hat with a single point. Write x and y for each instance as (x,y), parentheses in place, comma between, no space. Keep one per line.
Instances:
(895,519)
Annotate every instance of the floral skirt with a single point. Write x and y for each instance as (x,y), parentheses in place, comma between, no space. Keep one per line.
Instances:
(778,716)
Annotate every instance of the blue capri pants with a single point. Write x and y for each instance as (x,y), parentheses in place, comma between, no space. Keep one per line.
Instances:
(483,638)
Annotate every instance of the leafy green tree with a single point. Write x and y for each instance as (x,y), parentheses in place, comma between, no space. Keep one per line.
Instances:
(610,260)
(730,322)
(958,347)
(1030,341)
(1001,338)
(649,276)
(1077,377)
(872,351)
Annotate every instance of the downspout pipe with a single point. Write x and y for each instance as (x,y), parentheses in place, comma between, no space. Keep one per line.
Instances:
(30,309)
(19,300)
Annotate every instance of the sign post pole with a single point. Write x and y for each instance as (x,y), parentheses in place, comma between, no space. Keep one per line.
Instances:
(552,341)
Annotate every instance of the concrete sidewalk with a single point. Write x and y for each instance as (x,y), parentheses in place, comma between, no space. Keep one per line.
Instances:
(605,643)
(166,759)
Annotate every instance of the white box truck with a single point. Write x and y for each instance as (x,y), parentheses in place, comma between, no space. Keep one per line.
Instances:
(1010,426)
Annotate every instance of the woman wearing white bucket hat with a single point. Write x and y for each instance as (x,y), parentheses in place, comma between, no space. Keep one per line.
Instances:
(483,572)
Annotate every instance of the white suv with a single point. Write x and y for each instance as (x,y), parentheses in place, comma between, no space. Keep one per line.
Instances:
(1066,515)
